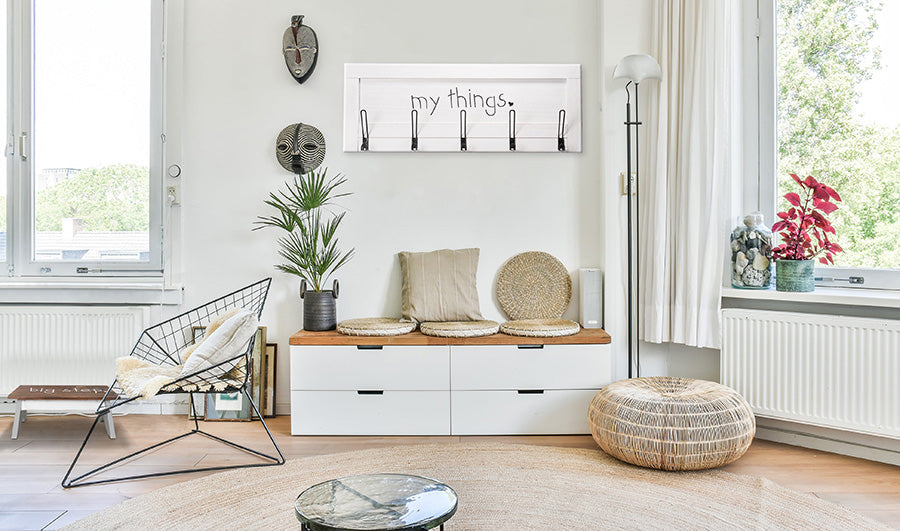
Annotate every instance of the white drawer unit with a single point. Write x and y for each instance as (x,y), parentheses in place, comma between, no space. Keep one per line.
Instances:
(526,412)
(370,412)
(356,367)
(418,385)
(495,367)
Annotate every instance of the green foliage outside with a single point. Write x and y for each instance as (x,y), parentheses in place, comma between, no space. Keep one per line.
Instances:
(109,198)
(824,52)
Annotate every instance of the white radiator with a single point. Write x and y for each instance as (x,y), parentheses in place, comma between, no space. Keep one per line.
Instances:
(832,371)
(65,345)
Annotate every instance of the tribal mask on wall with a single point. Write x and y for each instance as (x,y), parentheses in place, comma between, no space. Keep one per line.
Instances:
(301,48)
(300,148)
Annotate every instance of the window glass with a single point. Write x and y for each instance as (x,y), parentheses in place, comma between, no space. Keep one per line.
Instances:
(90,172)
(838,117)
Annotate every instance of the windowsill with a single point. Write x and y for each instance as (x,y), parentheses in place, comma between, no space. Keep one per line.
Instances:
(88,291)
(822,295)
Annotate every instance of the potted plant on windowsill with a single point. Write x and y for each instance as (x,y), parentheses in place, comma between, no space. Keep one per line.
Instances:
(309,246)
(804,230)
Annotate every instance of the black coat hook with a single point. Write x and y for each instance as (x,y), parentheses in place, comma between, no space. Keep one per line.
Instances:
(462,130)
(364,123)
(512,130)
(414,122)
(560,139)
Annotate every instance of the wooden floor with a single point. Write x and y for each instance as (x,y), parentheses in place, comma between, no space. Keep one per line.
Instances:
(32,466)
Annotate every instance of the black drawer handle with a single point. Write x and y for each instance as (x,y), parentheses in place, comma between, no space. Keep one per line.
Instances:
(373,392)
(369,347)
(530,391)
(530,346)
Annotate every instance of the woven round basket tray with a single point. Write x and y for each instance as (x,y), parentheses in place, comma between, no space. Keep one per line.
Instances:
(540,327)
(460,328)
(671,423)
(534,285)
(375,326)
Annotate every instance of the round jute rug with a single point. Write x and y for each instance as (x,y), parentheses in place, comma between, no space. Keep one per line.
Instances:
(500,486)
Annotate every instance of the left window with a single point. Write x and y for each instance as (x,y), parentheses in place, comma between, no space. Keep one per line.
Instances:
(82,185)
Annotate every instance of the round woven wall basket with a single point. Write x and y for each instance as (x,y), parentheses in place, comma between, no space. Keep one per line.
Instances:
(534,285)
(672,423)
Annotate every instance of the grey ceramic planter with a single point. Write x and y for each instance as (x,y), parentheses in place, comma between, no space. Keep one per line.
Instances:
(319,308)
(795,275)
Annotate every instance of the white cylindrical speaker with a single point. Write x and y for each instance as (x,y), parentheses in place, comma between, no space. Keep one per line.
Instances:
(591,304)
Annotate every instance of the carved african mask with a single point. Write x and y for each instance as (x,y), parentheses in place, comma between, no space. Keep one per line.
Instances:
(300,47)
(300,148)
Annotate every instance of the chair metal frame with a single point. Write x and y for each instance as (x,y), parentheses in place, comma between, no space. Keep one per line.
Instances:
(163,344)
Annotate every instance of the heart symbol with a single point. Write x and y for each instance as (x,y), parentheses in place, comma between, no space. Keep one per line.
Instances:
(510,104)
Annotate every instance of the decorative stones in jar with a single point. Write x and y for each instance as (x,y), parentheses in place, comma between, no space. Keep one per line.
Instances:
(751,253)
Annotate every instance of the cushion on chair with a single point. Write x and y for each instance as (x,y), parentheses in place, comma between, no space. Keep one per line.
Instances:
(671,423)
(460,328)
(540,328)
(440,285)
(375,326)
(226,342)
(217,321)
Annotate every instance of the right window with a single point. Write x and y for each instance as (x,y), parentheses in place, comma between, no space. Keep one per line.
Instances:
(838,119)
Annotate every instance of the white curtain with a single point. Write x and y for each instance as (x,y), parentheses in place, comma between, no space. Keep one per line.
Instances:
(693,157)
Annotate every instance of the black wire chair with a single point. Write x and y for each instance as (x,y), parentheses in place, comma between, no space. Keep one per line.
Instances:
(163,344)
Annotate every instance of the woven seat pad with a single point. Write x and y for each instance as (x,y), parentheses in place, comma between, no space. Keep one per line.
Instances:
(375,326)
(460,328)
(540,327)
(534,285)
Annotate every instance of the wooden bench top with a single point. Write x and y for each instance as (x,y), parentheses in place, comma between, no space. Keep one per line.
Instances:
(587,336)
(61,392)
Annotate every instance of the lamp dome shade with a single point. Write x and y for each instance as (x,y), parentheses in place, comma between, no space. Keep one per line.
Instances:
(637,67)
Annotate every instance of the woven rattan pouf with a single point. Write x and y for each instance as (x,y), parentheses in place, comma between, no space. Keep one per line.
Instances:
(671,423)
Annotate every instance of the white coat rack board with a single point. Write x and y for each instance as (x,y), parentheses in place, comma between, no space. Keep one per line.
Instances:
(457,107)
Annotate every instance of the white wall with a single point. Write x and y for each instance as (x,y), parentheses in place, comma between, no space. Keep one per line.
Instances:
(238,95)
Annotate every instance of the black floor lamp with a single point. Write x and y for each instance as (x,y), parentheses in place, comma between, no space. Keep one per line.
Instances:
(635,68)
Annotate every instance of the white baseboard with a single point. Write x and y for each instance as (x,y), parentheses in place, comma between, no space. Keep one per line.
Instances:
(871,447)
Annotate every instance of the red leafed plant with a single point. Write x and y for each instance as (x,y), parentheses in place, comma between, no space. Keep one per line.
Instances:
(804,229)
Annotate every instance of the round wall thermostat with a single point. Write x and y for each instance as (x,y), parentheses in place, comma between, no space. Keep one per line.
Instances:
(174,170)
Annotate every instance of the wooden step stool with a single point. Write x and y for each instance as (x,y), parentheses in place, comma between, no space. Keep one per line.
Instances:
(60,399)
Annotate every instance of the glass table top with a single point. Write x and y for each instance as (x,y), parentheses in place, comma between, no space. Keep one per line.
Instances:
(386,502)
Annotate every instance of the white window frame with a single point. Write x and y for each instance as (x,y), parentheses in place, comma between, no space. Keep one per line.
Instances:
(761,186)
(20,219)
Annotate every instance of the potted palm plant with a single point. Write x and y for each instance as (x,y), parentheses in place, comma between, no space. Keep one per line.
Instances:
(306,213)
(804,230)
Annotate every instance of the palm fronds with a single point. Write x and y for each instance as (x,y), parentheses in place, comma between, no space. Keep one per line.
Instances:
(310,248)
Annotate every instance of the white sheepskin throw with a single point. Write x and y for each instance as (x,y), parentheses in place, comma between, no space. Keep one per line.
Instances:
(140,378)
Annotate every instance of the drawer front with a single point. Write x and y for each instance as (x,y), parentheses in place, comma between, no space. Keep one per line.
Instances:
(514,413)
(493,367)
(348,368)
(388,413)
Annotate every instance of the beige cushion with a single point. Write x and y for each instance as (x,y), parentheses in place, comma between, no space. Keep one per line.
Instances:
(460,328)
(375,326)
(540,327)
(217,321)
(228,341)
(440,285)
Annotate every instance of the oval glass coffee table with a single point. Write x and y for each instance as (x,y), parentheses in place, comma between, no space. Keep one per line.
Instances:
(376,502)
